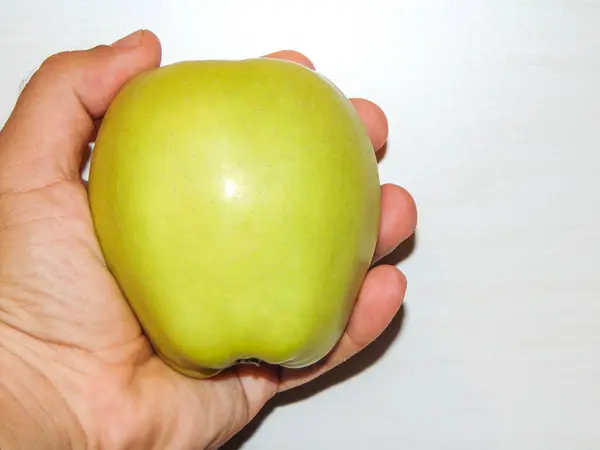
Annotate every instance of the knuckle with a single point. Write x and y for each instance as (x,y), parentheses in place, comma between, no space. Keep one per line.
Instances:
(56,62)
(49,71)
(103,50)
(52,68)
(67,60)
(61,65)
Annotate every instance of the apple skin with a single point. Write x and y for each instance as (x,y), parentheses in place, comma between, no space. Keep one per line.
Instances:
(237,204)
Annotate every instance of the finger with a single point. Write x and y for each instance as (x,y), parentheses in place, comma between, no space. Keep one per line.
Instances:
(378,302)
(398,219)
(374,119)
(44,139)
(294,56)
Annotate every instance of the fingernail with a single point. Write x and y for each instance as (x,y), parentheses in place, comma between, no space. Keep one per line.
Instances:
(131,40)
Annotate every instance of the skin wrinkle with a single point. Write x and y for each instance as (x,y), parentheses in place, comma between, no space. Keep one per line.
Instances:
(41,188)
(34,422)
(20,338)
(21,295)
(34,221)
(50,318)
(66,374)
(45,337)
(39,353)
(31,333)
(149,380)
(238,419)
(34,319)
(60,402)
(244,414)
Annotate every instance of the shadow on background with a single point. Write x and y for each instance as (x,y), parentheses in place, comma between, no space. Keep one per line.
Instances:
(355,365)
(402,252)
(381,153)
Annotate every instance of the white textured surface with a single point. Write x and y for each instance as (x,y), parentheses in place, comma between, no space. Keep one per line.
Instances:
(494,110)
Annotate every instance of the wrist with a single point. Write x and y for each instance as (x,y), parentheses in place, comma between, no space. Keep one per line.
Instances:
(32,413)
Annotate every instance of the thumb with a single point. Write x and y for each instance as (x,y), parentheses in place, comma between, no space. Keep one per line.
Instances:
(45,137)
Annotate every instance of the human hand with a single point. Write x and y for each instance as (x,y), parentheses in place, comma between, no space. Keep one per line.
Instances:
(76,370)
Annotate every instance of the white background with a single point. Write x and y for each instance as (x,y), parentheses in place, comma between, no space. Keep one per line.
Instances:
(494,110)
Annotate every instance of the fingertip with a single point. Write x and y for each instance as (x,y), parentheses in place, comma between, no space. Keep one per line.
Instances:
(144,43)
(374,119)
(395,281)
(294,56)
(150,35)
(380,299)
(151,41)
(113,66)
(398,219)
(401,280)
(404,201)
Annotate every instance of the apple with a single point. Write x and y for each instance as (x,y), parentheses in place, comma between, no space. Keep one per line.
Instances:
(237,204)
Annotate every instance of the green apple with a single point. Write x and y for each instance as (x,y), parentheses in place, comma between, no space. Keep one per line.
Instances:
(237,204)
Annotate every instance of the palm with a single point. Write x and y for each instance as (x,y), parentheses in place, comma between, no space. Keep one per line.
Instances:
(62,304)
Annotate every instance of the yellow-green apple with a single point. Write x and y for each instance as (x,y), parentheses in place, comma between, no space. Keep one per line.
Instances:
(237,204)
